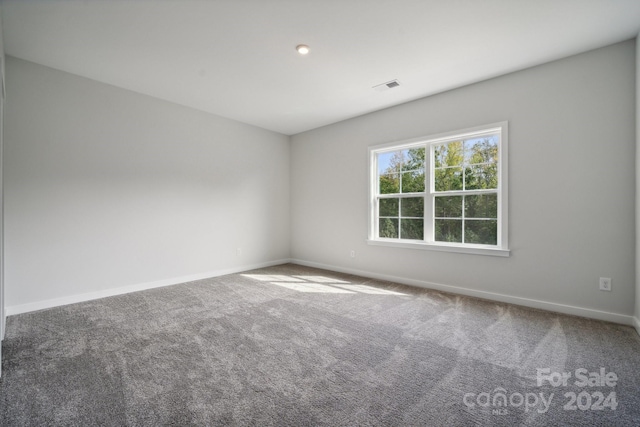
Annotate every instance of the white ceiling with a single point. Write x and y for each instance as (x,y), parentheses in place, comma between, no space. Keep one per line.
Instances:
(237,58)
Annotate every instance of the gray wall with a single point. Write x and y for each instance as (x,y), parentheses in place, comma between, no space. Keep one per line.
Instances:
(106,188)
(571,184)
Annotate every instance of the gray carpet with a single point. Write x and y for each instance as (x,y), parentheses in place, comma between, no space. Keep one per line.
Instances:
(291,345)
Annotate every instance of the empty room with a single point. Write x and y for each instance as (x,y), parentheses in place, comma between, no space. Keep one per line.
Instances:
(319,212)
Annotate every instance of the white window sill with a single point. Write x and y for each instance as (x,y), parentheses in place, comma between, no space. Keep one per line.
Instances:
(442,247)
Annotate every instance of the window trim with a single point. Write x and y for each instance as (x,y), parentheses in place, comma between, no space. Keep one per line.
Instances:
(502,247)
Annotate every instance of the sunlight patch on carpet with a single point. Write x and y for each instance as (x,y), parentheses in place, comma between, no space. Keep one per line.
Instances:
(319,284)
(311,287)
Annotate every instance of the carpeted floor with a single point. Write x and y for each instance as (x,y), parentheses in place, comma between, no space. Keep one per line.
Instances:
(295,346)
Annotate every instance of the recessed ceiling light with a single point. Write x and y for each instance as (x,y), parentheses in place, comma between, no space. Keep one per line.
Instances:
(302,49)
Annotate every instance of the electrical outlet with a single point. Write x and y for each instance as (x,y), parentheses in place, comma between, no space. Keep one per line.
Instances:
(353,253)
(239,251)
(605,284)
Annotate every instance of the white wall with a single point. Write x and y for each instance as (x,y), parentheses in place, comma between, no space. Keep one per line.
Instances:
(637,311)
(106,188)
(571,186)
(2,297)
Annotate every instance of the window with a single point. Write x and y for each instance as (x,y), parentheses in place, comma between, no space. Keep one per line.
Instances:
(445,192)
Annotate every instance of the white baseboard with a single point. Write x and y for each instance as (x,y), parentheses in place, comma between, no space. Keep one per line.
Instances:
(527,302)
(636,323)
(72,299)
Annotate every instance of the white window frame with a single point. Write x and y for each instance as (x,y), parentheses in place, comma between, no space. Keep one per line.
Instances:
(502,246)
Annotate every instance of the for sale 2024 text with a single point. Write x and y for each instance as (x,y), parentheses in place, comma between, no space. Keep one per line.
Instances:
(581,377)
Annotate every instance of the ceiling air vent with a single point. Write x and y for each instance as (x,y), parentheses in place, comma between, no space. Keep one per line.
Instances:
(386,86)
